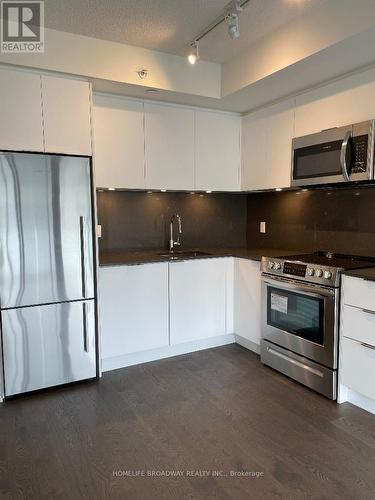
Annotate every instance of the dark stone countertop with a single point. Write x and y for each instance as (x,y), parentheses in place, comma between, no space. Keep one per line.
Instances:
(135,257)
(367,273)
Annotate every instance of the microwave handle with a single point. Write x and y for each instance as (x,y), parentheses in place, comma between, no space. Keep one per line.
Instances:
(344,148)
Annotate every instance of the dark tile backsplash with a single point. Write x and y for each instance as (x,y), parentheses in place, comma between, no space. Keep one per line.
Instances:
(132,220)
(339,220)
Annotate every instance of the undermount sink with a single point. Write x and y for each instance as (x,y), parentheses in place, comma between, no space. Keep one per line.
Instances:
(180,254)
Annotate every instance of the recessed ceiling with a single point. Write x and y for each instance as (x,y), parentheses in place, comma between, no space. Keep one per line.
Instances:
(169,25)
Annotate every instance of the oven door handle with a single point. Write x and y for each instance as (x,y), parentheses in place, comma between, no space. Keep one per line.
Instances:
(318,292)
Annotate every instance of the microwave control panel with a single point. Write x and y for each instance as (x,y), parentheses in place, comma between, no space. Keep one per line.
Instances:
(360,146)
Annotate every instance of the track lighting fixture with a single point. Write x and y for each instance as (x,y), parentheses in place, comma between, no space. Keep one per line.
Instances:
(230,15)
(194,53)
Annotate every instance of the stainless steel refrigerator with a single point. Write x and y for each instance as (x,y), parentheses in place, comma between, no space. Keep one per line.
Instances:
(47,272)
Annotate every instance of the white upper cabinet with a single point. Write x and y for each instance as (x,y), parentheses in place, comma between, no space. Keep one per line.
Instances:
(21,123)
(118,142)
(266,147)
(217,151)
(169,145)
(349,100)
(67,115)
(254,135)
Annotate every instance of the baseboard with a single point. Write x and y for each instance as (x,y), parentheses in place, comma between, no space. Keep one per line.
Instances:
(165,352)
(355,398)
(248,344)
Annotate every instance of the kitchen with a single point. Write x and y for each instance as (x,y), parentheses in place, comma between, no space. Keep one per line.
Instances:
(187,254)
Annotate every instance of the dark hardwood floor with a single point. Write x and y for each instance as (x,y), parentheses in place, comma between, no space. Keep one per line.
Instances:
(214,410)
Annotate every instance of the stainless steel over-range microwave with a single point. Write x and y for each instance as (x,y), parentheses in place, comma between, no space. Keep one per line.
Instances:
(342,154)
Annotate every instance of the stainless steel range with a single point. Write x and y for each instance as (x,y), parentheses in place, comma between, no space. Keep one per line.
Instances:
(300,316)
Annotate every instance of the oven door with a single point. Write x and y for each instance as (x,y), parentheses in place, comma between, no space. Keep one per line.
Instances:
(302,318)
(340,154)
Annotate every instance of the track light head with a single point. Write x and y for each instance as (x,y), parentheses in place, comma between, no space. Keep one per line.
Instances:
(194,54)
(233,12)
(233,26)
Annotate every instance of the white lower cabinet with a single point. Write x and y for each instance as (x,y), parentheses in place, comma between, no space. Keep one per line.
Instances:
(198,299)
(247,303)
(357,343)
(133,308)
(358,367)
(152,311)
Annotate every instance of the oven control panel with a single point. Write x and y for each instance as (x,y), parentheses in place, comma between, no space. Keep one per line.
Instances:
(323,275)
(294,269)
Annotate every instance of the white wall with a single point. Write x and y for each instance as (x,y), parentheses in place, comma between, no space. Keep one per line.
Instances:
(322,27)
(94,58)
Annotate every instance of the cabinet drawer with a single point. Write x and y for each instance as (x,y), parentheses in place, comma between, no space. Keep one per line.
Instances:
(359,292)
(358,324)
(358,367)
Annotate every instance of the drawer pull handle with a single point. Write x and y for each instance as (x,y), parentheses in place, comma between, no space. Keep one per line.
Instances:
(294,362)
(368,311)
(368,346)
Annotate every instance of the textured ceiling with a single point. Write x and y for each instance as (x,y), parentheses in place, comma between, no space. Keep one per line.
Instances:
(169,25)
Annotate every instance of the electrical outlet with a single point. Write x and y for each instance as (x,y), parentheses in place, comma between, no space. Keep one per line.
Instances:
(262,227)
(99,231)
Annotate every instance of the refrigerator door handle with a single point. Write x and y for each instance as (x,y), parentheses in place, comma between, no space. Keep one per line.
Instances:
(83,257)
(85,329)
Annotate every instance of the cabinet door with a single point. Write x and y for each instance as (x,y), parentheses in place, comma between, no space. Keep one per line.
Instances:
(279,135)
(21,126)
(67,115)
(169,143)
(357,366)
(254,138)
(197,299)
(247,300)
(217,151)
(267,146)
(350,100)
(133,308)
(118,143)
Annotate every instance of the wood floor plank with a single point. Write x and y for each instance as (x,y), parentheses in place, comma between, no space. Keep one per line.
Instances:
(213,410)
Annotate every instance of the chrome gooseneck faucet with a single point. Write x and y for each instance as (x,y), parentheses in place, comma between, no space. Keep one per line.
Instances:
(173,243)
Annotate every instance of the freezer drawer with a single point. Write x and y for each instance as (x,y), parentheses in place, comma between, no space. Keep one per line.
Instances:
(48,345)
(46,232)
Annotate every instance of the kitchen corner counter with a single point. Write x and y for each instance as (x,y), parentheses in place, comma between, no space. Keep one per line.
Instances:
(136,257)
(367,273)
